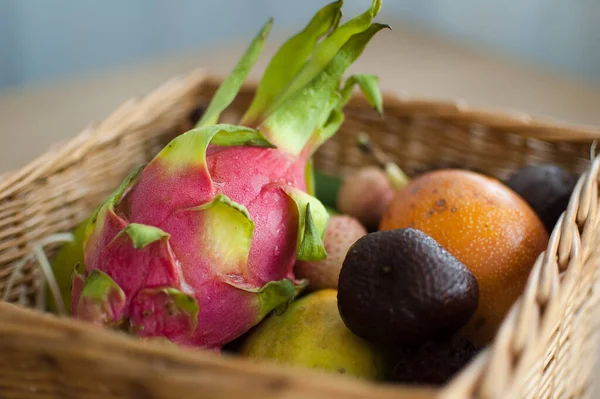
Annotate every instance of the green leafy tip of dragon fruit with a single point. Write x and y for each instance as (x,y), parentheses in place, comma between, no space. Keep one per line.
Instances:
(198,245)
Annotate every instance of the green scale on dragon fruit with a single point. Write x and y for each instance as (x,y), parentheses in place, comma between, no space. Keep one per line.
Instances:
(198,245)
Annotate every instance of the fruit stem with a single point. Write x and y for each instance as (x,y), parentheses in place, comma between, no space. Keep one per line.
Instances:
(395,174)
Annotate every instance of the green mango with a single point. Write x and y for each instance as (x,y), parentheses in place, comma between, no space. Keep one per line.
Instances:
(311,334)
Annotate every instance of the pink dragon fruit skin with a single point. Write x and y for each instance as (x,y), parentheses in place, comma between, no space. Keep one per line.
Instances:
(198,246)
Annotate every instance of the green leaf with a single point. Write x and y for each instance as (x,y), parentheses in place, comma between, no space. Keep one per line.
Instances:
(326,50)
(180,302)
(328,130)
(290,58)
(273,296)
(174,302)
(369,85)
(184,302)
(95,223)
(240,135)
(352,49)
(222,199)
(100,298)
(190,147)
(291,126)
(142,235)
(299,286)
(232,84)
(98,286)
(116,195)
(224,234)
(276,295)
(312,222)
(312,247)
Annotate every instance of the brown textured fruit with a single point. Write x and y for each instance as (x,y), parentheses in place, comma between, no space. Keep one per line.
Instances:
(365,195)
(342,231)
(484,224)
(547,188)
(401,288)
(433,363)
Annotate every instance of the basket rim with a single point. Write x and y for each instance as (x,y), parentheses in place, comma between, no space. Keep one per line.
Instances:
(64,329)
(522,124)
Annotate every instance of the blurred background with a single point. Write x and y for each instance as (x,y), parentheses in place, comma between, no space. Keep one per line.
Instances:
(66,63)
(43,40)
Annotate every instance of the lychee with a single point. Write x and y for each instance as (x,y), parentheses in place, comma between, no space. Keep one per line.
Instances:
(341,232)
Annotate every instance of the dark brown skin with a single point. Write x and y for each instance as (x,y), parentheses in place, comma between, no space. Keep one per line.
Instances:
(547,189)
(434,362)
(400,287)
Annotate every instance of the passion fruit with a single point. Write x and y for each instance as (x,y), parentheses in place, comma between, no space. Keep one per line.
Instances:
(484,224)
(547,188)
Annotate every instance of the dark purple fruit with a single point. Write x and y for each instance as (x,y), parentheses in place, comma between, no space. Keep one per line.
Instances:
(546,188)
(400,287)
(434,362)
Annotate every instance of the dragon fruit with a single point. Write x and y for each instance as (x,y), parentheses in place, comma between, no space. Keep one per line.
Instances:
(198,245)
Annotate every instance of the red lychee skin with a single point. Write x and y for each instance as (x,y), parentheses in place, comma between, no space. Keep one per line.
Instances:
(365,195)
(342,231)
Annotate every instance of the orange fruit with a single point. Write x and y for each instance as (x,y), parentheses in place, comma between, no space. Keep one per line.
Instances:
(485,225)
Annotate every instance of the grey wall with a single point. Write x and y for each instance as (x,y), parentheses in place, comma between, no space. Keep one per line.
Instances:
(560,34)
(47,39)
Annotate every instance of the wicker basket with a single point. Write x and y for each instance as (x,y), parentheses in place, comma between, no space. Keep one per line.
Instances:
(545,348)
